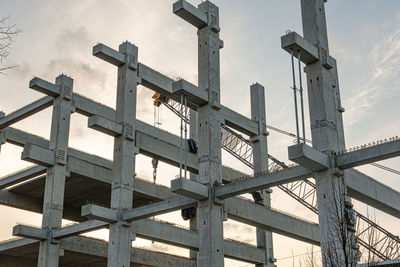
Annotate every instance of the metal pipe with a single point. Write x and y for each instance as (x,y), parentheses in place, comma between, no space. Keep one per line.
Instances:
(181,144)
(301,101)
(295,98)
(185,141)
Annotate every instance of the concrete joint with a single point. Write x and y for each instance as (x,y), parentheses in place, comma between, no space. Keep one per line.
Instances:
(66,92)
(323,123)
(207,158)
(61,156)
(122,186)
(128,131)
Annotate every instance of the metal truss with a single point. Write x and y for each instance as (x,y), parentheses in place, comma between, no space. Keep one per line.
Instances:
(370,235)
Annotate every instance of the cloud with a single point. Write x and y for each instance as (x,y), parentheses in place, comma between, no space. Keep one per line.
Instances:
(85,75)
(381,82)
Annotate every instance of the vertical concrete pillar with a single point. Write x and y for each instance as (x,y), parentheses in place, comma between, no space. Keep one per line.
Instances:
(260,160)
(124,158)
(55,179)
(327,135)
(193,131)
(2,141)
(210,212)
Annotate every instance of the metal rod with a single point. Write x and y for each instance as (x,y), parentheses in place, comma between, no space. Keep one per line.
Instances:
(181,144)
(301,101)
(295,98)
(184,150)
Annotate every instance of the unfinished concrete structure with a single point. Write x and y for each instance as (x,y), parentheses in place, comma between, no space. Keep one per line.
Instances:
(65,178)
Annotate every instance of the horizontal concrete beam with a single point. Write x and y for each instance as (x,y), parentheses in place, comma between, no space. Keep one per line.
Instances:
(239,122)
(78,229)
(308,157)
(104,125)
(94,212)
(94,247)
(190,14)
(369,154)
(193,94)
(30,232)
(45,87)
(26,111)
(158,208)
(189,188)
(294,42)
(38,155)
(140,257)
(259,216)
(108,54)
(21,176)
(263,181)
(181,237)
(371,192)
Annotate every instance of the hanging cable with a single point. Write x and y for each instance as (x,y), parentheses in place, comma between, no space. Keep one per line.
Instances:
(295,98)
(185,141)
(301,101)
(181,139)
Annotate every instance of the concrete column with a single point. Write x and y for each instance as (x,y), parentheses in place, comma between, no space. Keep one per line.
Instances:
(210,213)
(55,179)
(193,129)
(327,135)
(124,158)
(2,140)
(260,160)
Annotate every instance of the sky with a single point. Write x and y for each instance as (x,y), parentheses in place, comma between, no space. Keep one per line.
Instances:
(58,36)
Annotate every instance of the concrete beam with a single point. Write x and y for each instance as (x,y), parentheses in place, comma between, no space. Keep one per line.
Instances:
(239,122)
(369,154)
(294,42)
(26,111)
(189,188)
(272,220)
(38,155)
(94,212)
(308,157)
(21,176)
(93,247)
(104,125)
(371,192)
(190,14)
(20,201)
(108,54)
(263,181)
(193,94)
(78,229)
(44,87)
(30,232)
(181,237)
(138,256)
(158,208)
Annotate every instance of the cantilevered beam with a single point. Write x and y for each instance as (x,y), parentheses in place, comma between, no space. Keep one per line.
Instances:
(189,188)
(30,232)
(21,176)
(308,157)
(369,154)
(190,14)
(26,111)
(38,155)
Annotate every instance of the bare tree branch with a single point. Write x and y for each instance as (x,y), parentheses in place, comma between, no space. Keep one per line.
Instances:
(7,35)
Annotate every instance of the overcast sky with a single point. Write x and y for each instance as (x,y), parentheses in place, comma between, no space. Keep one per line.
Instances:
(58,37)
